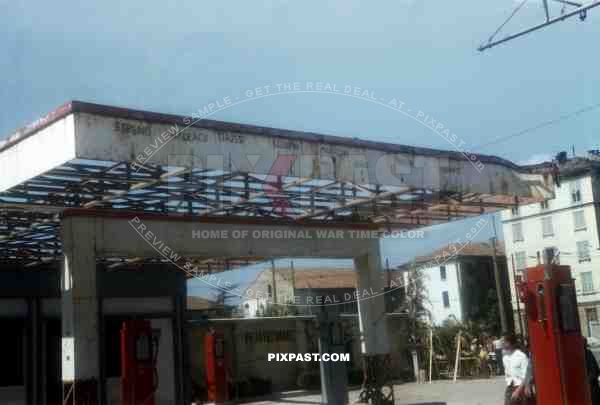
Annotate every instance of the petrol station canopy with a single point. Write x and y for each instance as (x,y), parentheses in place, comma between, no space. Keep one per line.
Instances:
(110,160)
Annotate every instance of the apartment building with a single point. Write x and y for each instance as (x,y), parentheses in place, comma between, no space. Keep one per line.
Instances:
(458,281)
(567,227)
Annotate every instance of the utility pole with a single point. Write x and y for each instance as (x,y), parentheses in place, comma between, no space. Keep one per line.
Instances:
(499,286)
(274,281)
(293,281)
(388,299)
(521,327)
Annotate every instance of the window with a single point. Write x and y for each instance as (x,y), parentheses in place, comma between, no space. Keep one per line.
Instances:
(443,273)
(576,191)
(579,220)
(552,252)
(591,315)
(446,299)
(544,205)
(583,251)
(514,211)
(517,231)
(521,260)
(587,282)
(547,228)
(270,291)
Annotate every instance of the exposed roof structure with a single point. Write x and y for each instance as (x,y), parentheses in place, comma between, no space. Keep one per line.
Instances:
(96,157)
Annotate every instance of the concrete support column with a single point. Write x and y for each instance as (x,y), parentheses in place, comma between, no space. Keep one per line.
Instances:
(375,345)
(371,303)
(181,358)
(334,378)
(79,299)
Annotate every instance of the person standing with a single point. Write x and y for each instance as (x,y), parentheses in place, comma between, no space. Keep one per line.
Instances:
(483,362)
(593,372)
(498,351)
(516,371)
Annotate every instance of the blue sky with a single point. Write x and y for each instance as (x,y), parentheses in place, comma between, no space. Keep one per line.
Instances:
(178,56)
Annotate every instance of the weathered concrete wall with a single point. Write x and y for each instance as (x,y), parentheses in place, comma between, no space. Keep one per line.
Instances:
(250,340)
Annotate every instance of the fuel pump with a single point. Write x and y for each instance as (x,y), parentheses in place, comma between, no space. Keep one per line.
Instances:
(216,367)
(557,347)
(139,353)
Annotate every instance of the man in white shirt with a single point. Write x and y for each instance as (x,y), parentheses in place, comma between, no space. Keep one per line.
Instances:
(516,371)
(498,343)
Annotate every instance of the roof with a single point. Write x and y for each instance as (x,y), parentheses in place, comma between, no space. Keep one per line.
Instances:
(325,278)
(572,167)
(76,106)
(86,157)
(315,278)
(199,303)
(452,251)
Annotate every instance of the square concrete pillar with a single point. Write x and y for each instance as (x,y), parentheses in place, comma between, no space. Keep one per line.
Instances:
(79,299)
(371,301)
(375,346)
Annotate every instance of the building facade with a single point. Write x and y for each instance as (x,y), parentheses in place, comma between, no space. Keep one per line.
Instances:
(565,227)
(303,291)
(458,283)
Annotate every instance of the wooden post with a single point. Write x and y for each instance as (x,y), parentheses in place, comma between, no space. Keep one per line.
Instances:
(499,286)
(415,359)
(457,356)
(430,354)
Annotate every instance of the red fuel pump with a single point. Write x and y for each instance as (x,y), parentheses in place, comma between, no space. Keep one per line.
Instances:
(557,346)
(139,351)
(216,367)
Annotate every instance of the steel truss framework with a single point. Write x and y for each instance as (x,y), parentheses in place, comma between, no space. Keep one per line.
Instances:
(93,170)
(30,212)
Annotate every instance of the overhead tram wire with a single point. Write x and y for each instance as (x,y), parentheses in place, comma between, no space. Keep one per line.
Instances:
(543,124)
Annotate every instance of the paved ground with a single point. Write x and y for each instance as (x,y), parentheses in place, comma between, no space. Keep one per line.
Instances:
(473,392)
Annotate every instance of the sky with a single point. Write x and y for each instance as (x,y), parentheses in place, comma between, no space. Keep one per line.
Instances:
(178,56)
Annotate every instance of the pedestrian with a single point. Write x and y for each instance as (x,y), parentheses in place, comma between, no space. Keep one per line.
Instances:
(498,350)
(593,372)
(516,366)
(483,362)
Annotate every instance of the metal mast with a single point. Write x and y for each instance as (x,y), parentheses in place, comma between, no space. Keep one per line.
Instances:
(579,9)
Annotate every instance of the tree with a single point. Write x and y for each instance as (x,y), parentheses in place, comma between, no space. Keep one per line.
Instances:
(416,308)
(416,298)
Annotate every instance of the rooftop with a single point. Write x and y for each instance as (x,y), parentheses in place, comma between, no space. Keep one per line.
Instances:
(457,250)
(571,167)
(101,158)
